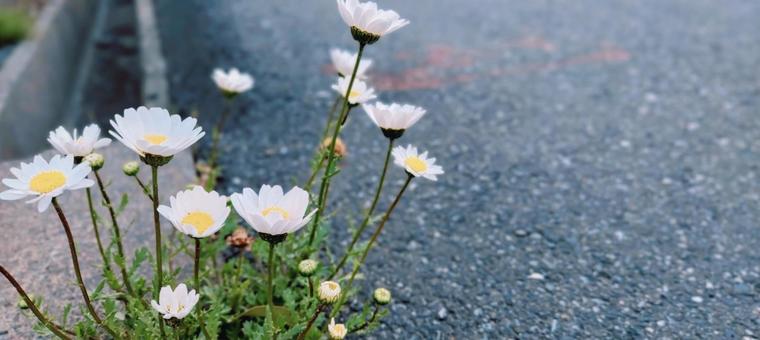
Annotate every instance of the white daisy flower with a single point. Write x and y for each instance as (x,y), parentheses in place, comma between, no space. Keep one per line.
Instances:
(344,61)
(337,331)
(75,145)
(367,22)
(177,303)
(360,92)
(416,164)
(233,82)
(153,131)
(393,119)
(195,212)
(271,212)
(45,180)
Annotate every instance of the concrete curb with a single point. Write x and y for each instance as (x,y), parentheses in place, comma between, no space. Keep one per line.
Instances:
(45,64)
(155,86)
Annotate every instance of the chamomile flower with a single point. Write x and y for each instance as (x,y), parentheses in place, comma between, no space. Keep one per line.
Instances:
(46,180)
(76,145)
(153,131)
(176,303)
(271,212)
(195,212)
(344,61)
(367,22)
(360,92)
(416,164)
(337,331)
(393,119)
(233,82)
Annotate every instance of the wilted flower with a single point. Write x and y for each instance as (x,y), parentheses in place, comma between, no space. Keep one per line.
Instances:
(329,291)
(340,147)
(337,331)
(177,303)
(393,119)
(360,92)
(131,168)
(367,22)
(195,212)
(75,145)
(271,212)
(381,296)
(95,160)
(45,180)
(344,62)
(239,239)
(233,82)
(416,164)
(307,267)
(153,131)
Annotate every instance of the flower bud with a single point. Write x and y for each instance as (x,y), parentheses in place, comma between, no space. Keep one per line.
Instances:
(381,296)
(131,168)
(340,147)
(307,267)
(240,239)
(95,160)
(329,291)
(336,331)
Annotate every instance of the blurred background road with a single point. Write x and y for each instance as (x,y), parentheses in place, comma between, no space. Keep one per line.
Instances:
(601,156)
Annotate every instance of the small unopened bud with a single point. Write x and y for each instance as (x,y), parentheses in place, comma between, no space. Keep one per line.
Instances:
(340,147)
(307,267)
(337,330)
(382,296)
(329,291)
(240,239)
(131,168)
(95,160)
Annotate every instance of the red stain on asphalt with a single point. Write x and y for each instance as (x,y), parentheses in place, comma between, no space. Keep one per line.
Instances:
(443,65)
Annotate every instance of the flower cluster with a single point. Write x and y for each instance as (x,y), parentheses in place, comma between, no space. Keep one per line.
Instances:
(235,298)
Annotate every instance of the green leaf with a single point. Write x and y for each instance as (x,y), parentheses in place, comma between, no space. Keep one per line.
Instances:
(122,204)
(280,313)
(269,323)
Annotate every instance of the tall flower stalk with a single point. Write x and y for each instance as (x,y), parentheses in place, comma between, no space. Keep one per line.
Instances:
(331,150)
(370,211)
(371,243)
(78,272)
(116,232)
(159,279)
(96,229)
(57,330)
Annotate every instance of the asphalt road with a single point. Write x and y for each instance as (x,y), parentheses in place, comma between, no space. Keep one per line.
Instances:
(601,156)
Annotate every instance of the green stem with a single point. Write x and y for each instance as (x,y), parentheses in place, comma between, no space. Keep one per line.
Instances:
(330,117)
(57,330)
(216,134)
(372,241)
(117,234)
(159,279)
(311,322)
(331,151)
(95,228)
(371,210)
(144,188)
(271,275)
(77,271)
(197,279)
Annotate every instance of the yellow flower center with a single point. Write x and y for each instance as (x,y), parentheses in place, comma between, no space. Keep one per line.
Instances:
(47,181)
(275,209)
(201,221)
(416,164)
(332,285)
(155,139)
(354,94)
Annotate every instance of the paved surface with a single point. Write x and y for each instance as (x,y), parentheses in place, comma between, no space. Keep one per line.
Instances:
(601,157)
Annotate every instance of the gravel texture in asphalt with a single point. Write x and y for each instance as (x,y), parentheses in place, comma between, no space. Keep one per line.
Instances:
(601,156)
